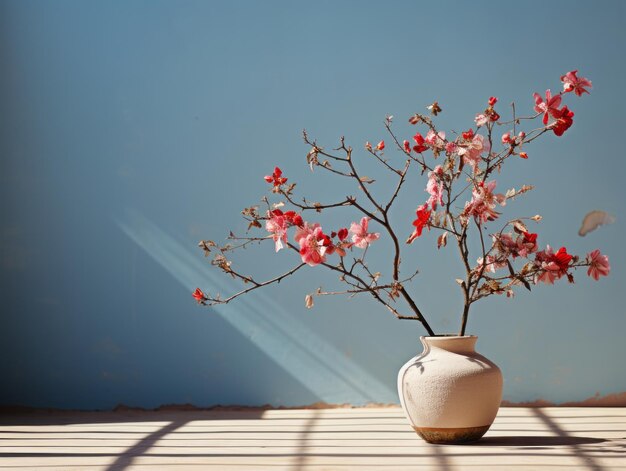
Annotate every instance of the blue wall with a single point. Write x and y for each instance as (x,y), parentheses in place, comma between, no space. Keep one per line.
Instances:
(130,130)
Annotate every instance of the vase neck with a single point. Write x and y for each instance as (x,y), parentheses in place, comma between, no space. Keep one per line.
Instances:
(454,344)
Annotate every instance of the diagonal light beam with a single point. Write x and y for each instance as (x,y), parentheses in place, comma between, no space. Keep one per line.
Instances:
(316,363)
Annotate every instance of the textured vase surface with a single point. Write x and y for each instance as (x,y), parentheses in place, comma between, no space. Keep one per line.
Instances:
(450,393)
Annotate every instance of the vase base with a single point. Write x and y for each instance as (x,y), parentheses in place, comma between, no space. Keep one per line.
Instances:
(451,435)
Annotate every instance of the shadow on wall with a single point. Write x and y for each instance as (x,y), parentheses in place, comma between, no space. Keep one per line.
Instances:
(324,370)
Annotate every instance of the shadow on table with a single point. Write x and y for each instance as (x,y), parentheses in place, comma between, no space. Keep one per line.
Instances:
(535,442)
(174,420)
(559,438)
(303,455)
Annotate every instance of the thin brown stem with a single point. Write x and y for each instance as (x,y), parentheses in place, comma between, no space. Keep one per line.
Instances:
(256,285)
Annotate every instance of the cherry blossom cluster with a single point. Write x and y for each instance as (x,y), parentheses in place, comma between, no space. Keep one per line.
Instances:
(474,150)
(314,244)
(462,202)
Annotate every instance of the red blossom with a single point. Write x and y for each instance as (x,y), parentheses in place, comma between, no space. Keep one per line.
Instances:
(527,245)
(423,216)
(276,178)
(380,145)
(563,122)
(492,100)
(562,258)
(419,140)
(407,146)
(343,233)
(530,237)
(199,296)
(523,155)
(294,218)
(414,119)
(468,135)
(494,116)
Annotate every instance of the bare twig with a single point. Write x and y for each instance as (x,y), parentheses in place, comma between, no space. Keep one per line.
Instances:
(256,285)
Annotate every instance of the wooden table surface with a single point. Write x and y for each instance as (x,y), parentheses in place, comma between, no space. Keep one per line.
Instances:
(307,439)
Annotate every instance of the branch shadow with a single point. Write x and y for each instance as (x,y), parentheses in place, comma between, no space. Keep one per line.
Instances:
(126,459)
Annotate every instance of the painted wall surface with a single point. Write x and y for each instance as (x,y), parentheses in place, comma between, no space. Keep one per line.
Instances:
(130,130)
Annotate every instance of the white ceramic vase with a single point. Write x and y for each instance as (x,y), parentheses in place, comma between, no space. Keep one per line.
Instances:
(450,393)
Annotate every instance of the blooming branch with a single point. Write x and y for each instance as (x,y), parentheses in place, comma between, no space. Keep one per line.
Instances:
(461,168)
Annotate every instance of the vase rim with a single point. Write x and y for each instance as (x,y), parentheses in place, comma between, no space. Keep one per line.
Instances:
(448,337)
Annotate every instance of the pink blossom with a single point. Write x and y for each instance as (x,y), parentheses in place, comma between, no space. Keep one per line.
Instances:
(548,272)
(550,107)
(481,120)
(492,264)
(552,266)
(526,244)
(598,265)
(434,187)
(576,84)
(313,243)
(522,246)
(506,138)
(505,244)
(471,151)
(360,237)
(483,203)
(436,141)
(277,226)
(451,147)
